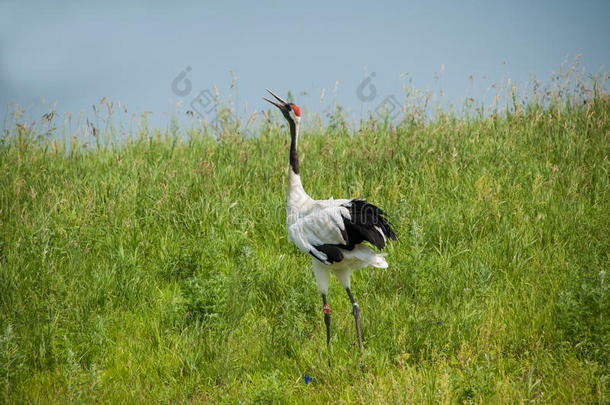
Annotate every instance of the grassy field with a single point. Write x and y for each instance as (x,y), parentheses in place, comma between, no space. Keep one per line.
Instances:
(160,270)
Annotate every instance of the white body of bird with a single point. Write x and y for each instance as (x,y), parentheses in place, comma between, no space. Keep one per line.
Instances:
(312,223)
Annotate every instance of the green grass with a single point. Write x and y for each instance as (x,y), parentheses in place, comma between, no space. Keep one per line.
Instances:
(160,270)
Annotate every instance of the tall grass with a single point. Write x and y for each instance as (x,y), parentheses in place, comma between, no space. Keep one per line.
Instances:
(159,270)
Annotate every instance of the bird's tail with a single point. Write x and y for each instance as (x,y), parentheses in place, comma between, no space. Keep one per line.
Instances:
(379,261)
(368,256)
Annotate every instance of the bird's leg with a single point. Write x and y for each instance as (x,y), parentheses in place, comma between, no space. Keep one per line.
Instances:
(326,310)
(356,312)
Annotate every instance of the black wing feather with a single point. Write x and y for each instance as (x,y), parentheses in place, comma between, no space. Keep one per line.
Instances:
(365,217)
(333,253)
(362,226)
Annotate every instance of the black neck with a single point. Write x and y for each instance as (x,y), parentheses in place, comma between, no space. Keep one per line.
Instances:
(294,157)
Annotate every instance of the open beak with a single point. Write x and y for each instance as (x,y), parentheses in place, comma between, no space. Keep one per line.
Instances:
(282,105)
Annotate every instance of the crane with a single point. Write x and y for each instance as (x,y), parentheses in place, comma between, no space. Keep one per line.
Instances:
(332,231)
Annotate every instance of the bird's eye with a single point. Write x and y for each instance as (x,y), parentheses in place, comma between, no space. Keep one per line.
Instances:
(296,109)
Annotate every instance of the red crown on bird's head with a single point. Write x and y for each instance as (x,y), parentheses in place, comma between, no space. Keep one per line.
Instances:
(296,109)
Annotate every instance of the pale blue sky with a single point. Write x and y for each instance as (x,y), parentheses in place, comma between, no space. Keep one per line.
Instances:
(74,53)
